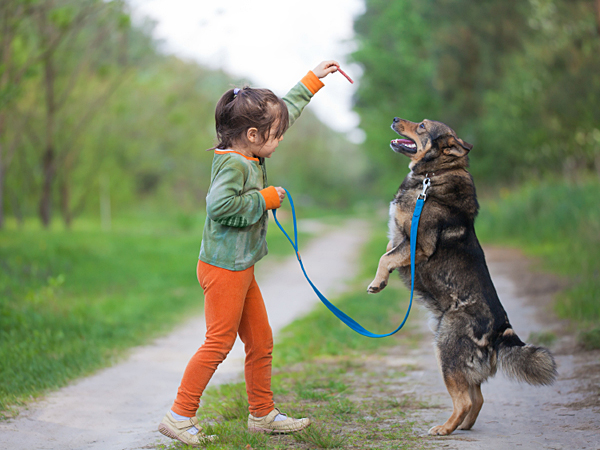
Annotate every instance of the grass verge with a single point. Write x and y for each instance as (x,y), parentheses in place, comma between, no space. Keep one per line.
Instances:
(74,301)
(559,223)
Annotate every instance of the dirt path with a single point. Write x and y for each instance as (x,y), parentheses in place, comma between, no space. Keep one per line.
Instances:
(120,407)
(516,416)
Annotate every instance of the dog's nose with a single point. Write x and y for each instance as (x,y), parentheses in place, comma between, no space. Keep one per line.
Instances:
(396,119)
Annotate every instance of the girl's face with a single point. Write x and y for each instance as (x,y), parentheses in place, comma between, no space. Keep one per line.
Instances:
(266,149)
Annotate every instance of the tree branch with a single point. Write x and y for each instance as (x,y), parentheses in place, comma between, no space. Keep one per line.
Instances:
(92,110)
(31,134)
(56,40)
(75,73)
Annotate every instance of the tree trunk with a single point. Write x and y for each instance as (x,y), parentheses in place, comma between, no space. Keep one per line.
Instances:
(65,201)
(15,207)
(49,157)
(48,179)
(65,191)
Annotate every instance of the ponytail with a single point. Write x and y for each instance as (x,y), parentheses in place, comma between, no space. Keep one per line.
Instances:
(240,109)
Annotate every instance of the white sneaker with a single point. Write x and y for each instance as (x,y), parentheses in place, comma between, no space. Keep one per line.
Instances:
(178,429)
(268,424)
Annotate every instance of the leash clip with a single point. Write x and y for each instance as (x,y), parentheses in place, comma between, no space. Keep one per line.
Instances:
(426,184)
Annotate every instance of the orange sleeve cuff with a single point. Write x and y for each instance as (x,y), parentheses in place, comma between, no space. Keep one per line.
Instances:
(312,82)
(271,197)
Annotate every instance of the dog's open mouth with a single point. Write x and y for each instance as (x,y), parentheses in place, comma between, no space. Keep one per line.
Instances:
(404,145)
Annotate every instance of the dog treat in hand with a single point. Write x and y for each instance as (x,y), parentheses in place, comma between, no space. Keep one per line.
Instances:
(345,74)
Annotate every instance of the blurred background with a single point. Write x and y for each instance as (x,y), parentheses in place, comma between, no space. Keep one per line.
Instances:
(107,107)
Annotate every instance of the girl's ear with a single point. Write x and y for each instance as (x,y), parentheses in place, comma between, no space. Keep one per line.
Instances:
(252,135)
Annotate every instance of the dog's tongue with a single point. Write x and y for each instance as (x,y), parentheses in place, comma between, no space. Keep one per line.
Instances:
(403,141)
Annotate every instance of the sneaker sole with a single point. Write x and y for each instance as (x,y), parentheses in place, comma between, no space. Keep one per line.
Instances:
(170,434)
(271,431)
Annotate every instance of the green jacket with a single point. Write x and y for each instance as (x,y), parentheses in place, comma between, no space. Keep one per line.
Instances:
(235,230)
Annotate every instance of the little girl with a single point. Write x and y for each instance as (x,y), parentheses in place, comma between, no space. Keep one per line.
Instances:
(250,123)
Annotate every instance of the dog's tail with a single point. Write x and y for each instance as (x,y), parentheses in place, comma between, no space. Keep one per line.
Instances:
(525,362)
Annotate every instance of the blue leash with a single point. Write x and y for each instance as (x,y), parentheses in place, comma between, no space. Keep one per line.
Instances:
(413,247)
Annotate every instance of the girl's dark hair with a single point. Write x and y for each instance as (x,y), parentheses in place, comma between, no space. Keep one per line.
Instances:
(258,108)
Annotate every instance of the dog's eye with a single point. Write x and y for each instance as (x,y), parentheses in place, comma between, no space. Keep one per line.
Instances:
(422,125)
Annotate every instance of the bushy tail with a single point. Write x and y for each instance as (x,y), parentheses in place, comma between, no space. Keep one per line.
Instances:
(525,362)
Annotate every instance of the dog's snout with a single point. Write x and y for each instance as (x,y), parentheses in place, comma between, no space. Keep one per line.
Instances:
(397,124)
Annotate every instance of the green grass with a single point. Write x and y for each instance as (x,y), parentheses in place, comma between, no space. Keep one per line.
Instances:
(340,418)
(319,436)
(558,222)
(74,301)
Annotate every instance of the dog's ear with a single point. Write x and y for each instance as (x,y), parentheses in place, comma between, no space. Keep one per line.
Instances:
(456,146)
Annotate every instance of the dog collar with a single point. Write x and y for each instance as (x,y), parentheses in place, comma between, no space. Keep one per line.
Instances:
(438,172)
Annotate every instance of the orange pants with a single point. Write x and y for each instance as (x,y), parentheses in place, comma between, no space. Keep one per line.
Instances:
(233,305)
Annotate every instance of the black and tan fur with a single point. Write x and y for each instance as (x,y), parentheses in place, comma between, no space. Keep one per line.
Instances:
(472,332)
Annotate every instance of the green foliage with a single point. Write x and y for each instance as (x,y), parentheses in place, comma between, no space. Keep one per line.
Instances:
(519,80)
(62,17)
(590,338)
(107,118)
(393,40)
(559,222)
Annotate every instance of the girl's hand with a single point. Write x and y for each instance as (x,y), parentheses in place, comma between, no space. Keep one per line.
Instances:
(281,193)
(325,68)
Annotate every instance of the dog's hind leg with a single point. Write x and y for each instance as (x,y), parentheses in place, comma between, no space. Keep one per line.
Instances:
(477,403)
(396,257)
(458,388)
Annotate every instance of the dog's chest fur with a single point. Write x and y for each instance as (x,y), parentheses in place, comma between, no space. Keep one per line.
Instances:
(451,205)
(454,275)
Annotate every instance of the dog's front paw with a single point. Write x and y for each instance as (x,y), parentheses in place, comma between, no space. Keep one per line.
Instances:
(440,430)
(376,287)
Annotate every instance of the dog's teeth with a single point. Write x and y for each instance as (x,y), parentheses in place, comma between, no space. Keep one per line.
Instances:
(404,143)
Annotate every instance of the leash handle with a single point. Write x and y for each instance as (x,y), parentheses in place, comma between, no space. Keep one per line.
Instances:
(349,321)
(295,241)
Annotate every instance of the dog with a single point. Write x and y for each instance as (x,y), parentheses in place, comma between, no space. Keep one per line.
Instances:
(473,335)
